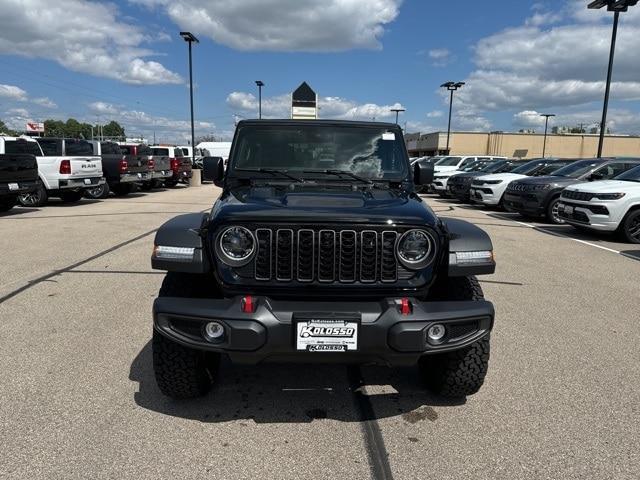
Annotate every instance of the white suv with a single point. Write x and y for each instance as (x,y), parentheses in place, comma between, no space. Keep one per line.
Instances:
(607,205)
(443,172)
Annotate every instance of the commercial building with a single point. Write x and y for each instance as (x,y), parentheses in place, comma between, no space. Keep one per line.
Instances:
(522,145)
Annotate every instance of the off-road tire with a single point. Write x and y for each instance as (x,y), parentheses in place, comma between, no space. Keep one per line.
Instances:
(629,226)
(98,193)
(146,186)
(39,198)
(7,204)
(71,196)
(183,372)
(461,372)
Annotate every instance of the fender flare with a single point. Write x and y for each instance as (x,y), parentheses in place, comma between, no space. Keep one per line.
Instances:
(465,237)
(183,231)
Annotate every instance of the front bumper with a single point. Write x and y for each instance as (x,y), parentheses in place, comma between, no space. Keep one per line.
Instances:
(385,336)
(79,183)
(460,191)
(528,203)
(583,215)
(17,188)
(484,196)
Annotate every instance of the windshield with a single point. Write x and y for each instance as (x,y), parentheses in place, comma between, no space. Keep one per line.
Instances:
(160,151)
(551,168)
(21,147)
(370,152)
(577,169)
(496,167)
(528,167)
(632,175)
(449,162)
(78,148)
(476,166)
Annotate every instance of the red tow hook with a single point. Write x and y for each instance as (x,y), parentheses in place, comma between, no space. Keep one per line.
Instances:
(248,304)
(405,307)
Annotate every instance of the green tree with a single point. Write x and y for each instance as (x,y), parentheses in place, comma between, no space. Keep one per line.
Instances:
(54,128)
(113,129)
(5,129)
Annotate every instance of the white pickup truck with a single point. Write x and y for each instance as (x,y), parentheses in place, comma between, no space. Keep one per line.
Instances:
(66,168)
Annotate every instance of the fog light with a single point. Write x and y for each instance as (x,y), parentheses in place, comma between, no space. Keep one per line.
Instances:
(436,333)
(213,331)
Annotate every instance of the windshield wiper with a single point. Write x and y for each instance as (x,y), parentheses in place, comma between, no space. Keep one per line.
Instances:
(271,171)
(340,173)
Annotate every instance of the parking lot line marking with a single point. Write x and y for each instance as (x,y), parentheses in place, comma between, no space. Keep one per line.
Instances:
(44,278)
(557,234)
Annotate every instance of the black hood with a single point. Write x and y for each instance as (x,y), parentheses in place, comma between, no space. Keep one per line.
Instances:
(322,204)
(554,181)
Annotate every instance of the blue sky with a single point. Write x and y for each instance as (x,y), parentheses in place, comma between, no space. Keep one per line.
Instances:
(125,61)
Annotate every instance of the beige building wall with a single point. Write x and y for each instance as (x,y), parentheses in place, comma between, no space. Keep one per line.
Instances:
(507,144)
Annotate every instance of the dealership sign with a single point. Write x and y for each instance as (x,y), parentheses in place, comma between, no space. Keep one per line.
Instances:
(35,127)
(304,103)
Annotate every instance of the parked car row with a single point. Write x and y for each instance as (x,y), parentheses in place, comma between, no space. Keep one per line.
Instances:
(600,194)
(34,169)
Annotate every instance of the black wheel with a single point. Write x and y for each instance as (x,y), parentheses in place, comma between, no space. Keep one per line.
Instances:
(170,183)
(462,372)
(38,198)
(631,226)
(552,212)
(122,189)
(183,372)
(99,192)
(146,186)
(71,196)
(7,203)
(156,183)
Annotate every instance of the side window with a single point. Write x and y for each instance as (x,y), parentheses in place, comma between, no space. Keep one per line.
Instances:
(610,171)
(467,161)
(51,148)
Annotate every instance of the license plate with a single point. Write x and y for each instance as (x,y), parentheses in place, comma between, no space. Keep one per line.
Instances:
(87,181)
(568,210)
(327,335)
(14,186)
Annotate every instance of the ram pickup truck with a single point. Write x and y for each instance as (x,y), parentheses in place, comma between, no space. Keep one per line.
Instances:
(540,196)
(18,169)
(66,168)
(180,165)
(605,205)
(138,160)
(319,250)
(122,172)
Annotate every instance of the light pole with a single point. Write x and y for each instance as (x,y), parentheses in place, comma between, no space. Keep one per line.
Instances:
(397,111)
(546,126)
(190,38)
(452,87)
(615,6)
(260,84)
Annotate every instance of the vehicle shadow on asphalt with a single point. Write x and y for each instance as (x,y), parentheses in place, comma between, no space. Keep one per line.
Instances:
(17,210)
(293,393)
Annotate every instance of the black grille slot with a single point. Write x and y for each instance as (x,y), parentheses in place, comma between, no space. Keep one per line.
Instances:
(348,247)
(284,255)
(327,256)
(583,196)
(263,256)
(388,266)
(461,330)
(368,256)
(306,254)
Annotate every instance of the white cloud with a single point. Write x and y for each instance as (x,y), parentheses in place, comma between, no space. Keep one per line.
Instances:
(553,61)
(330,107)
(82,36)
(103,108)
(16,118)
(435,114)
(45,102)
(12,92)
(284,25)
(440,57)
(619,120)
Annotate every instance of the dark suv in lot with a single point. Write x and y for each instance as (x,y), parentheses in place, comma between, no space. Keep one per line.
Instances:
(319,250)
(540,196)
(459,186)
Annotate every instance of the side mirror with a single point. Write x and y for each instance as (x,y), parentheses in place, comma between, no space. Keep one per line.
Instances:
(596,176)
(213,170)
(422,173)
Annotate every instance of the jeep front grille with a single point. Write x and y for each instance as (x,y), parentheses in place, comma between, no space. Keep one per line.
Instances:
(327,256)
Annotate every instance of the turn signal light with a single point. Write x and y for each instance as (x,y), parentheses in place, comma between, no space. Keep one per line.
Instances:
(151,164)
(65,167)
(124,166)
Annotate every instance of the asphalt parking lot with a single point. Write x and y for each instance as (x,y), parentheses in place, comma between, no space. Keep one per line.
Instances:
(79,399)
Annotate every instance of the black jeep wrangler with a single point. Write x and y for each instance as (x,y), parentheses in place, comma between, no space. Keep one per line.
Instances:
(319,250)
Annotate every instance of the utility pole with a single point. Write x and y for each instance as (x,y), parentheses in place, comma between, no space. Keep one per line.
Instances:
(190,38)
(546,126)
(451,87)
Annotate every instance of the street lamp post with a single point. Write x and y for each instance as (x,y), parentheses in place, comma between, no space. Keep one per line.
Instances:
(190,38)
(451,87)
(260,84)
(546,126)
(616,6)
(397,111)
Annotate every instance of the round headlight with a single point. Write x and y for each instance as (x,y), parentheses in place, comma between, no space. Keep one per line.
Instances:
(236,246)
(414,249)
